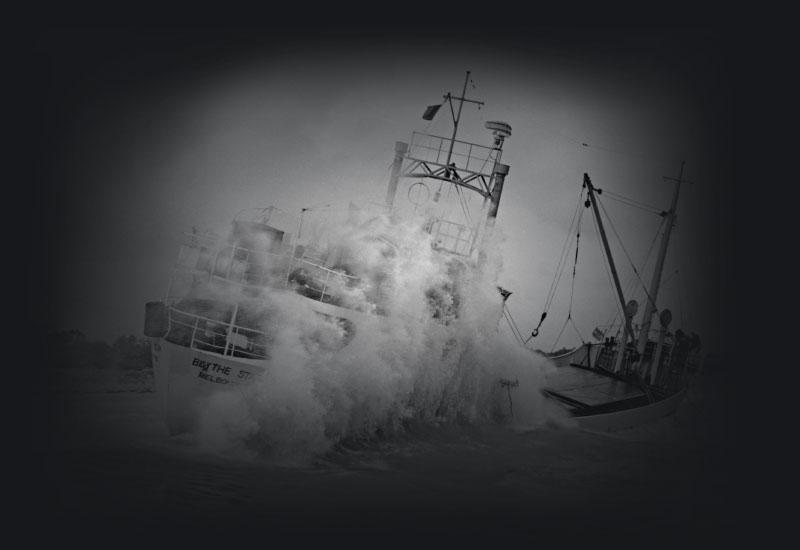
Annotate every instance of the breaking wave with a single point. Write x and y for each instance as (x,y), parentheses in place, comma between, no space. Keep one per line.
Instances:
(420,345)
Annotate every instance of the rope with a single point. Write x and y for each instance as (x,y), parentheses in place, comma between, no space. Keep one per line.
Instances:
(680,299)
(514,329)
(559,335)
(562,259)
(575,264)
(513,324)
(572,289)
(508,311)
(463,204)
(576,330)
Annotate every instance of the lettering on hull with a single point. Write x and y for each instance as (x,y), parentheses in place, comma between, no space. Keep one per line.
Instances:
(222,374)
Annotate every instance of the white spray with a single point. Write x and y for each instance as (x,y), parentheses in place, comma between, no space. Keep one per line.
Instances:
(401,365)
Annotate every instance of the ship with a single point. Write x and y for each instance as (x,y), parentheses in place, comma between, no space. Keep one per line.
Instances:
(208,332)
(634,377)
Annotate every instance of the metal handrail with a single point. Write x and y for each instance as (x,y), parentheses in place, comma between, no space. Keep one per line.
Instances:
(227,254)
(230,346)
(328,273)
(418,144)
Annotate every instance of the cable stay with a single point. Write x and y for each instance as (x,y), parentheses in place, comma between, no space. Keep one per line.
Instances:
(513,328)
(559,272)
(627,256)
(631,282)
(572,289)
(636,204)
(513,324)
(681,291)
(620,312)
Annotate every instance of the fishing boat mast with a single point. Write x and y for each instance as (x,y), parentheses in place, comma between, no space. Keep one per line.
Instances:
(431,157)
(650,308)
(626,308)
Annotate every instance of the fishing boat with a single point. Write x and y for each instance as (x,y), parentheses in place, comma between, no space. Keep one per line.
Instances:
(622,382)
(209,332)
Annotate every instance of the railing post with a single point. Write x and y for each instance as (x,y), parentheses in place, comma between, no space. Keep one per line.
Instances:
(230,262)
(400,150)
(325,285)
(231,329)
(194,331)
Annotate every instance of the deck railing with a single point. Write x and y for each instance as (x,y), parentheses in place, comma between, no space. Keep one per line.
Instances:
(208,334)
(321,283)
(206,255)
(209,258)
(467,156)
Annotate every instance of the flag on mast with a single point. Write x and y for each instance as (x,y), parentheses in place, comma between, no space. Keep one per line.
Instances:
(431,111)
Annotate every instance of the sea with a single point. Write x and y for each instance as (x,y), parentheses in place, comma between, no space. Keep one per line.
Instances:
(110,473)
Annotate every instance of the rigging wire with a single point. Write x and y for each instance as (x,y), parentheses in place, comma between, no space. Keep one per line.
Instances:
(632,279)
(680,299)
(562,259)
(587,146)
(513,324)
(681,280)
(608,270)
(635,271)
(552,349)
(631,202)
(559,272)
(462,201)
(572,288)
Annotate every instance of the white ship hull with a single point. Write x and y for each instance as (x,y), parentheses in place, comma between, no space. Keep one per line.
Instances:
(598,400)
(631,418)
(186,377)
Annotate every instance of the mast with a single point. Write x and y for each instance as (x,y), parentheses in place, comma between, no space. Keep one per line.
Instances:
(659,268)
(587,182)
(425,167)
(428,156)
(456,117)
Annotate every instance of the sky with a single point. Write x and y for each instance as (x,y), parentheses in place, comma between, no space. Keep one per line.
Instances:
(145,133)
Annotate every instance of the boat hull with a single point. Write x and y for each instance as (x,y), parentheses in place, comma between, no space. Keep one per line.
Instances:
(633,417)
(186,377)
